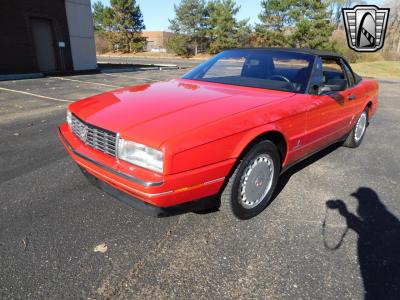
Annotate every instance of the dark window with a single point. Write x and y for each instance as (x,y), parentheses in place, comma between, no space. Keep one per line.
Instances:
(232,66)
(269,69)
(349,74)
(317,78)
(331,70)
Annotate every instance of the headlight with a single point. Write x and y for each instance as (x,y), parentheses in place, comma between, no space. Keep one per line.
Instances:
(141,155)
(69,117)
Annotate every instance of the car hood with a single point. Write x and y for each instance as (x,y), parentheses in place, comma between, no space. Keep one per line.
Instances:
(153,113)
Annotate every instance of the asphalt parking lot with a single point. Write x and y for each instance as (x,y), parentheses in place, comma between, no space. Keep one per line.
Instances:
(60,237)
(184,63)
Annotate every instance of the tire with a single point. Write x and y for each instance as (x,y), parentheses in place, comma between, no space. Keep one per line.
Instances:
(251,186)
(357,134)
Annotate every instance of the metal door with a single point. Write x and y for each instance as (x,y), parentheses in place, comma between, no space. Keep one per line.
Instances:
(42,33)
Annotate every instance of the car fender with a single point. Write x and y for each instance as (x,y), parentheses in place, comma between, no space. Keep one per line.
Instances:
(253,134)
(372,97)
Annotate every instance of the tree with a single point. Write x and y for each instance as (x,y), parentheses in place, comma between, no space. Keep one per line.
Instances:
(102,17)
(128,22)
(335,9)
(122,24)
(294,23)
(392,41)
(190,20)
(313,26)
(180,45)
(274,18)
(223,29)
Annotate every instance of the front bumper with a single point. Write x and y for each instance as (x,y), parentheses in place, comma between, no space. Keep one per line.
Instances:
(162,192)
(155,211)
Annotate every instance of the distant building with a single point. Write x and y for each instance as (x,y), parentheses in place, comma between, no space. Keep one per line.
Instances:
(157,40)
(46,36)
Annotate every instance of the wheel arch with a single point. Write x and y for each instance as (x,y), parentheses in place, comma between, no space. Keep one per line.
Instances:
(369,104)
(255,136)
(272,134)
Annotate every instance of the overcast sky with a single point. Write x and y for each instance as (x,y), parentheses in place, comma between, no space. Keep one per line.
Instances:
(157,12)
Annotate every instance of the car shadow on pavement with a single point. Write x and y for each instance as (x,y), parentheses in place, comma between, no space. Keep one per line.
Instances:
(378,243)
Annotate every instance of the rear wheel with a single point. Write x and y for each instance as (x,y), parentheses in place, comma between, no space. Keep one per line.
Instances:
(356,135)
(251,186)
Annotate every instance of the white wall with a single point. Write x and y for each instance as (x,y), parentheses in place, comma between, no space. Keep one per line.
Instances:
(81,34)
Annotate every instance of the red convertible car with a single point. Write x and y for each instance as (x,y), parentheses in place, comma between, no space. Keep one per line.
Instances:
(223,133)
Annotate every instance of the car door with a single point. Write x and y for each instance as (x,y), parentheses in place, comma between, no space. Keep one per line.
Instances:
(355,95)
(328,114)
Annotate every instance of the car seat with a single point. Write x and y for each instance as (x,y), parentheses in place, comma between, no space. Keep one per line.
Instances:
(300,79)
(258,66)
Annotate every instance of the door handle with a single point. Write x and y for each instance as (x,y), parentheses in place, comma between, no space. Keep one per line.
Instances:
(351,97)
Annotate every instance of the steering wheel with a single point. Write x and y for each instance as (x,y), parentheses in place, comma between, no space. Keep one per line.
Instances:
(283,79)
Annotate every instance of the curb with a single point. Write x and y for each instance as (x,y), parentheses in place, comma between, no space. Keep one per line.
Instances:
(21,76)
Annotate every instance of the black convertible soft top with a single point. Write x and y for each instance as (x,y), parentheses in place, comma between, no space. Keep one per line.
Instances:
(316,52)
(284,69)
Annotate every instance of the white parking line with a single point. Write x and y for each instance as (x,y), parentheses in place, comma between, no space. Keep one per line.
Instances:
(35,95)
(88,82)
(130,77)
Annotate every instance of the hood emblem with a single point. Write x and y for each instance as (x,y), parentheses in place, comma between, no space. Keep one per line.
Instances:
(83,134)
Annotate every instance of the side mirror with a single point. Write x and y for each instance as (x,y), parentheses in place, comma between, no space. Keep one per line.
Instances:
(333,85)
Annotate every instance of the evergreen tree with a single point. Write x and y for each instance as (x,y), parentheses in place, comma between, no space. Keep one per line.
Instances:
(189,24)
(102,17)
(314,29)
(180,44)
(122,23)
(224,31)
(294,23)
(274,17)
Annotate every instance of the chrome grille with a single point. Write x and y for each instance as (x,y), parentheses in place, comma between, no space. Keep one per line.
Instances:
(97,138)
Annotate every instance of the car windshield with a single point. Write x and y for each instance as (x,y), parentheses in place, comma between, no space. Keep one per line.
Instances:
(260,68)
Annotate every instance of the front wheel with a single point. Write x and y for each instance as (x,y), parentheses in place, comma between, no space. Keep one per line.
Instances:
(251,186)
(356,135)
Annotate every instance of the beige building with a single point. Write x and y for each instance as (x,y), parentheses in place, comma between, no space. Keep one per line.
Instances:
(156,40)
(81,34)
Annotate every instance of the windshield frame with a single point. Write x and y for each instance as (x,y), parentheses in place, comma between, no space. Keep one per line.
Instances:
(199,71)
